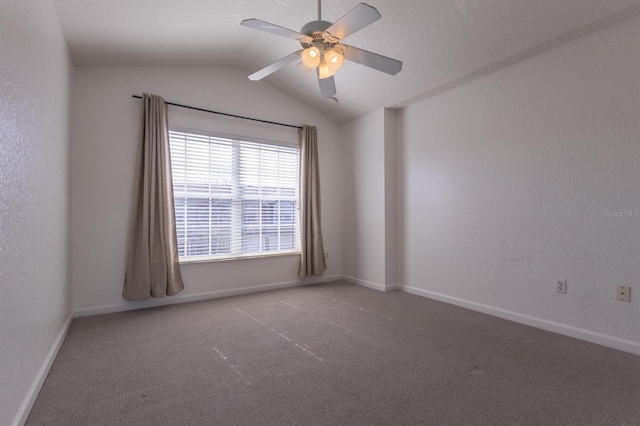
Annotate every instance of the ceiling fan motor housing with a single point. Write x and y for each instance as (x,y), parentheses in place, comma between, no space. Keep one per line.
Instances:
(315,27)
(318,37)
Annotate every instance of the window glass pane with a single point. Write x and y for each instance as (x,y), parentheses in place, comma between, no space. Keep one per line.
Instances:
(232,197)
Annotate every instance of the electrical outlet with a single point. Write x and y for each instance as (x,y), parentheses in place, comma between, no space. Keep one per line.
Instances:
(561,286)
(326,255)
(623,293)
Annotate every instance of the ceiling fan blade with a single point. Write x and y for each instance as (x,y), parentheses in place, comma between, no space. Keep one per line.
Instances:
(358,18)
(327,87)
(257,24)
(270,69)
(372,60)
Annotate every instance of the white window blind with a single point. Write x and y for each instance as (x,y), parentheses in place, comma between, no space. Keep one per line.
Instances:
(234,198)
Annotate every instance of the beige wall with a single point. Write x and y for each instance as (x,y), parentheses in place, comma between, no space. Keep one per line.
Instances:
(34,298)
(507,181)
(104,137)
(370,204)
(363,221)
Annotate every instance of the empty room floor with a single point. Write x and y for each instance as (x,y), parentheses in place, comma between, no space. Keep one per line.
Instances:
(330,354)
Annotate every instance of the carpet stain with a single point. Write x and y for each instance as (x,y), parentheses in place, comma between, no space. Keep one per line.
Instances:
(477,371)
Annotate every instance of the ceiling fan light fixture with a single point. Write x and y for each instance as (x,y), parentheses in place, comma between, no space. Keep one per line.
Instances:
(310,57)
(324,71)
(334,59)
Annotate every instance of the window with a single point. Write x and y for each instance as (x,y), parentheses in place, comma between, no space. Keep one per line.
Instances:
(234,198)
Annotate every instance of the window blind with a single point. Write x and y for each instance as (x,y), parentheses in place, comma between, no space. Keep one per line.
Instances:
(234,198)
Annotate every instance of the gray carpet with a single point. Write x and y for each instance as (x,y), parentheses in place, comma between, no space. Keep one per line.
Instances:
(331,354)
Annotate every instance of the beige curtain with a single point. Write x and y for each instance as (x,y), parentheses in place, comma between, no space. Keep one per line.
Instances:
(152,268)
(312,259)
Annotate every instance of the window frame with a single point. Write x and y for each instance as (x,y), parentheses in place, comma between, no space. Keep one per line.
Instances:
(236,224)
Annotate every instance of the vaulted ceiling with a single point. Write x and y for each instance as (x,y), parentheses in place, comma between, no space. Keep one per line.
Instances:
(443,43)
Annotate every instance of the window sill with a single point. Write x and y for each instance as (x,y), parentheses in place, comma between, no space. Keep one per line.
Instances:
(207,259)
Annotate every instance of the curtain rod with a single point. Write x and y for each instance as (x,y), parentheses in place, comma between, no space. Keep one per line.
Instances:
(228,115)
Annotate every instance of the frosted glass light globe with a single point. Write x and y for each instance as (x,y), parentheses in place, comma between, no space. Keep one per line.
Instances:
(334,59)
(324,71)
(310,57)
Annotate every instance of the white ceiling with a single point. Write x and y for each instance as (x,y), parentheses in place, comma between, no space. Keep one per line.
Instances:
(443,43)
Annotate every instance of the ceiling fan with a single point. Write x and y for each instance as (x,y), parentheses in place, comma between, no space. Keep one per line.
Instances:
(321,47)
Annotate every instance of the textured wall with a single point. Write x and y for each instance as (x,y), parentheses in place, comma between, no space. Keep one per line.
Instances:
(391,138)
(507,182)
(34,74)
(104,137)
(369,240)
(363,240)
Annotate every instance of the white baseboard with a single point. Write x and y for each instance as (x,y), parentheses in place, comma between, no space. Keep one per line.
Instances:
(567,330)
(30,399)
(370,284)
(152,303)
